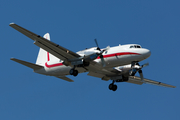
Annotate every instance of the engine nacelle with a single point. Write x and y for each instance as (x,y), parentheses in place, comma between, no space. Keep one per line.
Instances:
(120,78)
(82,61)
(91,57)
(126,68)
(77,62)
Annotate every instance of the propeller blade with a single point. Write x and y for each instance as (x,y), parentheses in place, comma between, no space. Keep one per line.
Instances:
(101,52)
(141,75)
(146,64)
(135,70)
(103,62)
(97,45)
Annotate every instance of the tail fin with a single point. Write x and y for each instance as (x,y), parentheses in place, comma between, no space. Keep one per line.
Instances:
(43,55)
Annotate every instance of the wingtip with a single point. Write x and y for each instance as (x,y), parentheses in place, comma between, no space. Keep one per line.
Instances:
(11,24)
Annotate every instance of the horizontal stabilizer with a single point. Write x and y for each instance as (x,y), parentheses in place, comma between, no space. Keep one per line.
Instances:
(65,78)
(28,64)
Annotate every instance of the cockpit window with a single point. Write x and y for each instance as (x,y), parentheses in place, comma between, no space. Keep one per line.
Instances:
(135,46)
(138,46)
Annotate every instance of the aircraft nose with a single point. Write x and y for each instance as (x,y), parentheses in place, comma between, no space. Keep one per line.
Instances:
(146,53)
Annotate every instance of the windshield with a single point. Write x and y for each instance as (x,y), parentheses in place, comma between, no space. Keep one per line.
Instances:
(135,46)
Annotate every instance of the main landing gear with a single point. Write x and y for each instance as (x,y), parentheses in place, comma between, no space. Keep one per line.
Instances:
(73,71)
(112,86)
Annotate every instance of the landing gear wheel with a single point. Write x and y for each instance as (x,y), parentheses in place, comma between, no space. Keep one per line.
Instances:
(73,72)
(112,87)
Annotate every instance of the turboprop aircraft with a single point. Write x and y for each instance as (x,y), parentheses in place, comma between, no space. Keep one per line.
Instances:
(119,63)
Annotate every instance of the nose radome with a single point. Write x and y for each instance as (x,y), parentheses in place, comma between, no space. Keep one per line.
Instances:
(146,53)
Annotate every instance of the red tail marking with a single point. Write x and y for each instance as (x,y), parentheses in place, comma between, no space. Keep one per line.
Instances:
(48,58)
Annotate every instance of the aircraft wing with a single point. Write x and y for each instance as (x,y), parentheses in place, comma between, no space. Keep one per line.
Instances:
(53,48)
(106,75)
(65,78)
(96,70)
(137,80)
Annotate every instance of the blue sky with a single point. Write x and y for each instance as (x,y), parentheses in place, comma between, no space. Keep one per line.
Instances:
(154,24)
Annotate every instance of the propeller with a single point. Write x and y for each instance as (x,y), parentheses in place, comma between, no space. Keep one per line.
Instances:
(138,69)
(101,52)
(97,45)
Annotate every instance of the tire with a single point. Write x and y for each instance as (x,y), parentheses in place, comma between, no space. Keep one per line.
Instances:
(71,72)
(114,87)
(75,73)
(111,86)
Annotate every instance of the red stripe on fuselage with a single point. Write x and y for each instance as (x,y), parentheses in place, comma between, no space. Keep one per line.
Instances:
(104,56)
(53,65)
(119,54)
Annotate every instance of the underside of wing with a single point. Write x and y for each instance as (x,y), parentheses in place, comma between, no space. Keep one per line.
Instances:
(65,78)
(137,80)
(55,49)
(96,70)
(158,83)
(99,75)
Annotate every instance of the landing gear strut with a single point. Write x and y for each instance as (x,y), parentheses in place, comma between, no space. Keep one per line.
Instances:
(73,72)
(112,86)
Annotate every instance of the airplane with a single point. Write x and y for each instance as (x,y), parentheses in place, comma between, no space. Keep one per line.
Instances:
(119,63)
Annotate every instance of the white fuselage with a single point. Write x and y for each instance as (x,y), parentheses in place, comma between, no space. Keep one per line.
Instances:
(119,63)
(115,56)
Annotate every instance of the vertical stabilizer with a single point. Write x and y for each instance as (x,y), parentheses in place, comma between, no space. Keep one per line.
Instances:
(45,56)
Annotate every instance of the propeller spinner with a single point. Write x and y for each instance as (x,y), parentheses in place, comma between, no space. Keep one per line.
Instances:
(139,70)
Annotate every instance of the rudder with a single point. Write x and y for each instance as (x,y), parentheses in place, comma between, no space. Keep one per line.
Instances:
(43,55)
